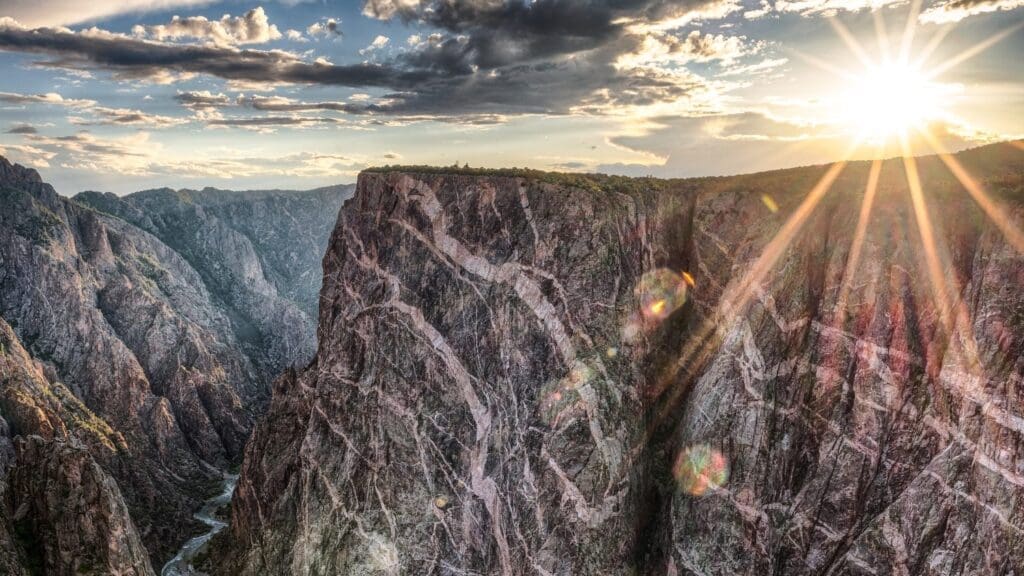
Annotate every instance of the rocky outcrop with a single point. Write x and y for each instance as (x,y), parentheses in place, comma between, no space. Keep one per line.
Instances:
(70,513)
(144,367)
(525,373)
(60,511)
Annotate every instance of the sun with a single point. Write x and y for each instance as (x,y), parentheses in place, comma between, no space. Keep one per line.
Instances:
(887,101)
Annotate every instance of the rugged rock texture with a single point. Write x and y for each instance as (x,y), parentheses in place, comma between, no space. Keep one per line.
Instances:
(515,377)
(259,253)
(62,513)
(147,371)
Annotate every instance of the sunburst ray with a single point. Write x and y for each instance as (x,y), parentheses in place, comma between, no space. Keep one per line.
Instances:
(734,303)
(858,241)
(994,211)
(973,51)
(907,43)
(855,47)
(946,294)
(881,35)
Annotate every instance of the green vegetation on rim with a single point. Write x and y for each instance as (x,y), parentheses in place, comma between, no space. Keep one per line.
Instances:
(591,182)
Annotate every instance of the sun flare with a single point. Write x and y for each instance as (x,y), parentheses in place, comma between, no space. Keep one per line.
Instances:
(889,100)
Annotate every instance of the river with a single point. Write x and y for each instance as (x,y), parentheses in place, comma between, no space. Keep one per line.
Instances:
(181,564)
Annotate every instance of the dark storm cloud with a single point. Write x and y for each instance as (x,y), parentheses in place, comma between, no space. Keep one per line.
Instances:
(133,58)
(488,57)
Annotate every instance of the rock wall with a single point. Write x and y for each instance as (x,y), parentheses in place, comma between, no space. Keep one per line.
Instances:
(525,373)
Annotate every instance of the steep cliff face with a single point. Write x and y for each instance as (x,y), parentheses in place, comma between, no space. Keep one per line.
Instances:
(529,373)
(131,337)
(61,512)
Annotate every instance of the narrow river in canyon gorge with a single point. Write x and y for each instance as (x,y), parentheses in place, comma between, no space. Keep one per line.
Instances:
(181,564)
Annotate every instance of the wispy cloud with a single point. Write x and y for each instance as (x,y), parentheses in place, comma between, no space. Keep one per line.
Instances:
(828,7)
(103,116)
(51,98)
(957,10)
(66,12)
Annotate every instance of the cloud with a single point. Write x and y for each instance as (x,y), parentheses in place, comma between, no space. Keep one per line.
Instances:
(202,99)
(324,28)
(103,116)
(957,10)
(661,49)
(378,43)
(486,58)
(270,121)
(388,9)
(295,36)
(300,165)
(88,113)
(761,12)
(138,156)
(22,129)
(830,7)
(209,106)
(27,155)
(65,12)
(133,58)
(85,151)
(765,65)
(748,142)
(282,104)
(49,98)
(251,28)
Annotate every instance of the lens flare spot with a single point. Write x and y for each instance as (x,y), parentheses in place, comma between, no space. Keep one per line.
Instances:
(700,469)
(382,555)
(657,308)
(769,203)
(560,399)
(689,279)
(659,293)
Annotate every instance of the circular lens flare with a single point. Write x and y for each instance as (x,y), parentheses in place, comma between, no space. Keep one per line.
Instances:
(560,399)
(659,293)
(700,469)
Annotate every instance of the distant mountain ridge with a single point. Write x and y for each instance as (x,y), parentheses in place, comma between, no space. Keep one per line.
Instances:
(139,337)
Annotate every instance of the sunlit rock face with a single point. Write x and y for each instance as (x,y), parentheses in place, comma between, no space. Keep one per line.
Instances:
(146,370)
(534,374)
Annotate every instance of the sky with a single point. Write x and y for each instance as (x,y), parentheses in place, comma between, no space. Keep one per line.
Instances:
(128,95)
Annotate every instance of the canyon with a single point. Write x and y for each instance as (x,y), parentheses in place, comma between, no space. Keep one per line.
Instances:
(139,337)
(520,372)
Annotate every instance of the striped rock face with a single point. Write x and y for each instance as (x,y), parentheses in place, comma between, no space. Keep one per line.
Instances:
(542,374)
